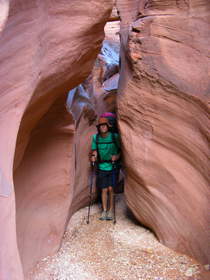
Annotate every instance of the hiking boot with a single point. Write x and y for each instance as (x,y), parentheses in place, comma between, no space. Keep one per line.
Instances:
(110,215)
(103,216)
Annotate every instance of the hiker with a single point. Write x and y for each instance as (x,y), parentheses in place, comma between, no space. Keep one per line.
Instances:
(106,152)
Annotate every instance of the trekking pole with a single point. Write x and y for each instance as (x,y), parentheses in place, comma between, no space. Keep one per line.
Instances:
(91,190)
(113,183)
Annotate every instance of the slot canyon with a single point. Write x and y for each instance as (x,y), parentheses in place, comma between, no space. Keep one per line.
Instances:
(63,64)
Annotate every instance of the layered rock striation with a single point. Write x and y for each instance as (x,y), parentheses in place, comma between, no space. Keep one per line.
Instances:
(164,119)
(48,48)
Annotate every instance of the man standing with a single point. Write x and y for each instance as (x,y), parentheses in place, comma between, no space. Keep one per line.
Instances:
(106,151)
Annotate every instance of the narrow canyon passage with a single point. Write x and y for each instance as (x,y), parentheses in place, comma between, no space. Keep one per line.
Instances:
(63,65)
(104,251)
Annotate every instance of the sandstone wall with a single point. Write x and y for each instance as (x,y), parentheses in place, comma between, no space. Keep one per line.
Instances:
(164,119)
(46,48)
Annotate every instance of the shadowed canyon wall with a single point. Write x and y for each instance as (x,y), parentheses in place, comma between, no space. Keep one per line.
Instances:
(164,119)
(47,48)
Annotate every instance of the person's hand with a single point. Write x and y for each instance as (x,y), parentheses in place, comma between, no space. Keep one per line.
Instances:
(115,157)
(93,158)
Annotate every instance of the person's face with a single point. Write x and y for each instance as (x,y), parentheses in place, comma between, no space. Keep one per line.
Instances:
(103,128)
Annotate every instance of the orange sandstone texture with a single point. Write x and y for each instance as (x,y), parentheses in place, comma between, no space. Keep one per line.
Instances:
(46,48)
(164,119)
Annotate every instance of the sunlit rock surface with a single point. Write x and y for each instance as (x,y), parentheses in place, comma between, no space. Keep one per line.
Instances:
(4,8)
(102,84)
(46,48)
(163,116)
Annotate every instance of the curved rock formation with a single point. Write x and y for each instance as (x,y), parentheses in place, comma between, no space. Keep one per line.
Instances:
(47,48)
(163,117)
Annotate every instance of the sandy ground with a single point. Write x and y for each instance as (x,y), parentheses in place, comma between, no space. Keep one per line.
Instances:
(104,251)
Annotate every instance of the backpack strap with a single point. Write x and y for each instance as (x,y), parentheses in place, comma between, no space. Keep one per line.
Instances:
(113,141)
(97,149)
(98,155)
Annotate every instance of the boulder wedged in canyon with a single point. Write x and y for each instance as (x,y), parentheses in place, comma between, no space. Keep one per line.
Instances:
(164,119)
(47,48)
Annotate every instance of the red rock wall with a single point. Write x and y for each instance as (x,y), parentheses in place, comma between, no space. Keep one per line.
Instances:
(4,8)
(164,119)
(46,48)
(44,184)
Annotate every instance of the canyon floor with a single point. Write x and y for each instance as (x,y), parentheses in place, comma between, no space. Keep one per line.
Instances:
(121,251)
